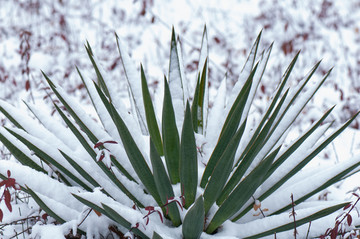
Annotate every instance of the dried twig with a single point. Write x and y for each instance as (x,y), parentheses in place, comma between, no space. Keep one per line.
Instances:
(293,213)
(308,231)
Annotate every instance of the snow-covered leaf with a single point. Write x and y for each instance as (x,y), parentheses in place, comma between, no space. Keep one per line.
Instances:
(231,123)
(134,83)
(134,154)
(177,86)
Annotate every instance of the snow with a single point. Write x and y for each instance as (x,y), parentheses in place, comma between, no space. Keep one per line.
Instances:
(51,231)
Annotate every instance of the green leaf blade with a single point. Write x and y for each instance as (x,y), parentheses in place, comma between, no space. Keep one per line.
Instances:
(135,156)
(50,160)
(19,155)
(102,166)
(80,170)
(171,139)
(202,102)
(204,94)
(309,157)
(150,115)
(131,74)
(100,78)
(222,170)
(118,218)
(194,220)
(250,155)
(188,160)
(241,193)
(282,158)
(163,184)
(43,206)
(194,106)
(290,226)
(232,122)
(177,82)
(110,213)
(297,144)
(72,112)
(156,236)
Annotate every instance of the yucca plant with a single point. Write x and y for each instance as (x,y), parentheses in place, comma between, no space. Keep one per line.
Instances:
(189,171)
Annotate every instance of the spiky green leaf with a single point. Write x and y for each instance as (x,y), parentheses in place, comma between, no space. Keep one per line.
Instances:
(50,160)
(118,218)
(241,193)
(232,122)
(100,78)
(133,80)
(194,106)
(204,85)
(163,184)
(81,171)
(307,159)
(176,77)
(109,212)
(222,170)
(250,154)
(156,236)
(135,156)
(310,218)
(43,205)
(69,109)
(19,155)
(202,100)
(150,115)
(171,139)
(188,160)
(102,166)
(194,220)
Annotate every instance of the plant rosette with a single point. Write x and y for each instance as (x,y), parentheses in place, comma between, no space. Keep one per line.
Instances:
(179,168)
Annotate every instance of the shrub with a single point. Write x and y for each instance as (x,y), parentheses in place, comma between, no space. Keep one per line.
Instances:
(189,171)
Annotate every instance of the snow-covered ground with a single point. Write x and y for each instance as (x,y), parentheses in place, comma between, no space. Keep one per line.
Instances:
(50,36)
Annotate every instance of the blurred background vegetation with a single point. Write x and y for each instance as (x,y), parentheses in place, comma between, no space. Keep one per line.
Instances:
(50,36)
